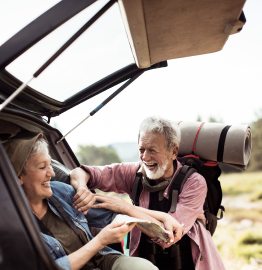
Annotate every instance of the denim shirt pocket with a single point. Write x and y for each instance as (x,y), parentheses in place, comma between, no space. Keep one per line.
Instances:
(55,248)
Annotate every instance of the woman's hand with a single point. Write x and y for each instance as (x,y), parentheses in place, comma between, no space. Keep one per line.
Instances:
(83,200)
(114,232)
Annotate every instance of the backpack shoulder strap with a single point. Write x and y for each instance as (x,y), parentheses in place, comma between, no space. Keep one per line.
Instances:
(134,198)
(177,185)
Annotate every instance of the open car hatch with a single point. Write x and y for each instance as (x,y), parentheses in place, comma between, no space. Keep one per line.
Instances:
(157,31)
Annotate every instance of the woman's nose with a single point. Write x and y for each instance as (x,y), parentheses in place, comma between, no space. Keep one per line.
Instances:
(51,172)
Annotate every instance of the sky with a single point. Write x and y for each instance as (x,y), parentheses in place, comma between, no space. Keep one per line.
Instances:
(225,85)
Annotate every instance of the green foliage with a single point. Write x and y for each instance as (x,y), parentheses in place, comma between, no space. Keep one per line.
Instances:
(249,245)
(212,120)
(199,119)
(99,156)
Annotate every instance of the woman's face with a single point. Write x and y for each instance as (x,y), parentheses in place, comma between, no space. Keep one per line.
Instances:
(36,181)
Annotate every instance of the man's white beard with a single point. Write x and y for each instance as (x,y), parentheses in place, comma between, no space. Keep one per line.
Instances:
(158,173)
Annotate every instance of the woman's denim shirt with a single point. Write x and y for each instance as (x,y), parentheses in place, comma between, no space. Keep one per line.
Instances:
(95,218)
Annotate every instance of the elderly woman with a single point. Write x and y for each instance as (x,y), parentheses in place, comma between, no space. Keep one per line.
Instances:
(64,229)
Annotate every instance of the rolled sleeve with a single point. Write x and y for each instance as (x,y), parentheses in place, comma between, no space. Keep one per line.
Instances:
(100,217)
(64,263)
(118,178)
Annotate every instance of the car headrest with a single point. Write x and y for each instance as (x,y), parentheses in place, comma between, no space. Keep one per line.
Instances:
(61,172)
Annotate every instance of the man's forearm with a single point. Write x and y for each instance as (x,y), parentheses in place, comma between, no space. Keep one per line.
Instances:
(118,205)
(137,213)
(155,214)
(79,178)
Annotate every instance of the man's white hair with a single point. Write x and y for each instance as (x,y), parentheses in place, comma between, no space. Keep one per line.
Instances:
(167,128)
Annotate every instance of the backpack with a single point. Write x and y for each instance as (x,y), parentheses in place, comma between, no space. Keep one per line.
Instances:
(210,171)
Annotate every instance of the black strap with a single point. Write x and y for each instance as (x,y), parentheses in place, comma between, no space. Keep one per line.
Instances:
(174,201)
(221,144)
(177,185)
(134,196)
(65,216)
(222,208)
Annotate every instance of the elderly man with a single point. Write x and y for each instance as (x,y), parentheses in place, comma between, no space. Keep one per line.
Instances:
(158,147)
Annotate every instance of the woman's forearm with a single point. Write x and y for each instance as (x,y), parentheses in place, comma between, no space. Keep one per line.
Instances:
(112,233)
(80,257)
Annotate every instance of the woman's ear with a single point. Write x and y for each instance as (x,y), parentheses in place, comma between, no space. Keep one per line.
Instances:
(20,180)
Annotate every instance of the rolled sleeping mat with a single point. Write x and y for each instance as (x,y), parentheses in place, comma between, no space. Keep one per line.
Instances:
(216,142)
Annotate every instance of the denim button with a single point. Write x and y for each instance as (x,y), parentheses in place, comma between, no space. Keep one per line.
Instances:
(57,248)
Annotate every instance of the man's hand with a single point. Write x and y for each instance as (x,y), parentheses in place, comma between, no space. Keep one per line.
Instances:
(170,223)
(112,203)
(83,200)
(79,178)
(174,227)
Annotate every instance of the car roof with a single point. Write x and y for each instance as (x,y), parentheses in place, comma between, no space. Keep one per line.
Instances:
(157,31)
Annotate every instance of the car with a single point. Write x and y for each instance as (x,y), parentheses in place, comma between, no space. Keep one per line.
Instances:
(157,31)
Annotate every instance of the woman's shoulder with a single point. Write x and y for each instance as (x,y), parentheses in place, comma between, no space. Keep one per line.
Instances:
(57,184)
(61,189)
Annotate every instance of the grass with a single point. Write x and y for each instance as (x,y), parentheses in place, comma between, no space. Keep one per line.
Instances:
(248,245)
(240,214)
(236,243)
(241,183)
(250,238)
(257,196)
(248,251)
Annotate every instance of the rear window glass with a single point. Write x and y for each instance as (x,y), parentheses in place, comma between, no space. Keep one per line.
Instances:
(86,61)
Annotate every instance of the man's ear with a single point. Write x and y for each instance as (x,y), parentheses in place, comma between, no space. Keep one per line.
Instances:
(174,152)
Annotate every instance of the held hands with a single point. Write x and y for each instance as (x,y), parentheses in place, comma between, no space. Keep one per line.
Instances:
(114,232)
(83,200)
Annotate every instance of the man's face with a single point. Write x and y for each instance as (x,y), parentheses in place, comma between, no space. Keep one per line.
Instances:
(157,160)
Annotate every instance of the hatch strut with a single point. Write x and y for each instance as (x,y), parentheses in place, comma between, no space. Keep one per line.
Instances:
(105,101)
(65,46)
